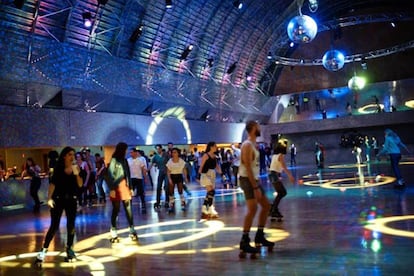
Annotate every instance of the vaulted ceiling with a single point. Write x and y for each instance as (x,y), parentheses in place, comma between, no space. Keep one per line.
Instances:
(145,37)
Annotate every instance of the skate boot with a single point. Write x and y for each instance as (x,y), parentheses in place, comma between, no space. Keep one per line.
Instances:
(204,212)
(114,236)
(40,258)
(70,255)
(213,212)
(246,248)
(260,241)
(157,207)
(171,208)
(276,215)
(133,234)
(183,204)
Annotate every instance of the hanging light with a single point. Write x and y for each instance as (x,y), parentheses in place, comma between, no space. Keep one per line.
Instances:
(87,19)
(333,60)
(356,83)
(302,28)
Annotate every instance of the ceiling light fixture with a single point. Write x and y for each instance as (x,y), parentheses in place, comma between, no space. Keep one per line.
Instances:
(87,19)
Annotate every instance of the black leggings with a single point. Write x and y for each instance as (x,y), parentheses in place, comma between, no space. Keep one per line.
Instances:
(116,204)
(69,205)
(34,189)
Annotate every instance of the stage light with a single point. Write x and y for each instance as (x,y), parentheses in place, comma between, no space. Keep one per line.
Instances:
(269,55)
(302,29)
(136,34)
(87,19)
(333,60)
(248,77)
(205,116)
(168,4)
(186,52)
(291,44)
(19,3)
(210,62)
(232,68)
(238,4)
(313,5)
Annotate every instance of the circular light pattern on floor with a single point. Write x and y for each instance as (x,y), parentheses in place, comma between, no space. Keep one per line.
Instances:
(380,225)
(93,252)
(350,182)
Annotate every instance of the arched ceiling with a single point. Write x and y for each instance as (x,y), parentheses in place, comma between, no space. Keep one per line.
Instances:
(221,35)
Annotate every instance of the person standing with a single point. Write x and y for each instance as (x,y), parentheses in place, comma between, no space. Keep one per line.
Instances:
(249,172)
(236,163)
(62,193)
(100,170)
(367,149)
(160,159)
(292,155)
(208,167)
(176,170)
(391,147)
(32,170)
(374,145)
(277,166)
(138,170)
(119,184)
(357,152)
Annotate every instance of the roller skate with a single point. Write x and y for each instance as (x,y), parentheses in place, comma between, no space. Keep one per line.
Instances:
(276,216)
(157,207)
(213,213)
(204,212)
(114,236)
(183,205)
(171,208)
(246,248)
(133,235)
(261,241)
(70,255)
(40,258)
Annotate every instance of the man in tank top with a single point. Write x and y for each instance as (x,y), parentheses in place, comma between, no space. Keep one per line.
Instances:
(249,172)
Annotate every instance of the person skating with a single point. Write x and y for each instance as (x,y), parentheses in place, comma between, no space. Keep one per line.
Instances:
(277,166)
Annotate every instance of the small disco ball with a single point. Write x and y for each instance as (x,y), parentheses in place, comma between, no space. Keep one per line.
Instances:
(302,29)
(356,83)
(333,60)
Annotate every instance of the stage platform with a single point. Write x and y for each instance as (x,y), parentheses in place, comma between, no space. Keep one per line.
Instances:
(346,219)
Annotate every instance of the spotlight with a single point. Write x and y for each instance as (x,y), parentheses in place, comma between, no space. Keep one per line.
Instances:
(313,5)
(393,24)
(291,44)
(19,3)
(238,4)
(136,34)
(87,19)
(364,64)
(232,68)
(205,116)
(210,62)
(248,77)
(269,55)
(186,52)
(168,4)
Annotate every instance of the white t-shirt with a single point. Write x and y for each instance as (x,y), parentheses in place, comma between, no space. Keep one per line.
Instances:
(135,167)
(236,156)
(176,167)
(255,162)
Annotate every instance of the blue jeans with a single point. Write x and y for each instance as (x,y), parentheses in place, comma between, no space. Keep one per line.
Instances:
(395,160)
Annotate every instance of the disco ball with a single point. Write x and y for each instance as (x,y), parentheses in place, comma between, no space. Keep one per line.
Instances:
(333,60)
(356,83)
(302,29)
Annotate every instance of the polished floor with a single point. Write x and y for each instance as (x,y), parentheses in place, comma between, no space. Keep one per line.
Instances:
(342,220)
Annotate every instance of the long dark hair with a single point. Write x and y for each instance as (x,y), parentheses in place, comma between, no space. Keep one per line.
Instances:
(210,145)
(60,164)
(31,161)
(120,150)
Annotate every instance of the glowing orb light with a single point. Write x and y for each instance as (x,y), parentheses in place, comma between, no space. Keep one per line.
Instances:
(333,60)
(356,83)
(302,29)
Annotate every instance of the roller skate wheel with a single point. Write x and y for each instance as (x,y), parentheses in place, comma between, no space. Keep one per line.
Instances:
(69,260)
(242,255)
(253,256)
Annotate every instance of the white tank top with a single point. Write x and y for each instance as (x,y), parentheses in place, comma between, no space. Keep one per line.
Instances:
(255,162)
(276,165)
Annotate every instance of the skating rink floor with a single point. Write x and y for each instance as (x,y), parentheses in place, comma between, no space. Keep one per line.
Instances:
(343,220)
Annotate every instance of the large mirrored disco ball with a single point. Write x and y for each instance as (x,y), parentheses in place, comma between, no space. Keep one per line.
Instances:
(302,29)
(333,60)
(356,83)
